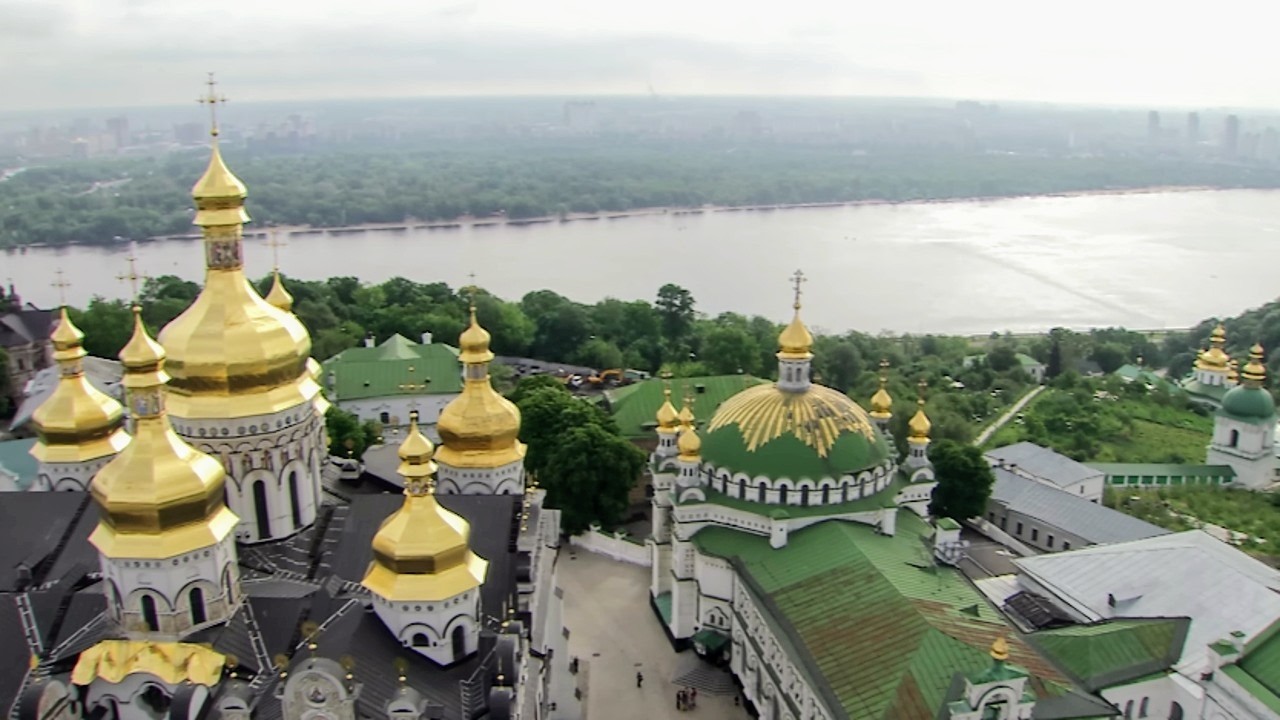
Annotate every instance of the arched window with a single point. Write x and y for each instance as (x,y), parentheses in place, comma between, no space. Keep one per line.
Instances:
(196,596)
(782,494)
(1175,712)
(742,488)
(1128,710)
(826,494)
(1142,707)
(1234,440)
(844,491)
(804,496)
(420,640)
(459,641)
(260,510)
(761,489)
(384,417)
(293,499)
(149,615)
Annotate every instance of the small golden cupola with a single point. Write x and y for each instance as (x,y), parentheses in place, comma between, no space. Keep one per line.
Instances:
(479,429)
(918,426)
(278,297)
(421,552)
(881,402)
(159,497)
(689,444)
(1215,358)
(667,417)
(231,353)
(796,342)
(77,423)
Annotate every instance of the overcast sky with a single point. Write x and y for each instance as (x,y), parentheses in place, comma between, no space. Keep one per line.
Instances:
(92,53)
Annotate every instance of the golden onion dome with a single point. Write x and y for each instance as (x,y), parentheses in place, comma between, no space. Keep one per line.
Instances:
(278,297)
(795,342)
(473,344)
(689,443)
(77,422)
(918,426)
(667,416)
(881,402)
(479,428)
(159,497)
(231,353)
(421,552)
(686,414)
(1254,372)
(1215,357)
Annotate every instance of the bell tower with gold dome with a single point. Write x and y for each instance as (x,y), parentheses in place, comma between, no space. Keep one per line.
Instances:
(242,386)
(165,535)
(918,428)
(480,451)
(79,428)
(795,349)
(424,578)
(882,403)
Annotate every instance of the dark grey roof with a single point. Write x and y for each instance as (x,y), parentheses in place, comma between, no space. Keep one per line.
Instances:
(103,374)
(1043,463)
(23,327)
(14,656)
(1072,704)
(46,531)
(1067,512)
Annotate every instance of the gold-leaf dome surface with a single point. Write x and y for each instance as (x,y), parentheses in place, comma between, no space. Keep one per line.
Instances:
(689,443)
(479,428)
(795,341)
(473,344)
(919,425)
(1215,357)
(219,194)
(277,297)
(881,403)
(667,416)
(77,422)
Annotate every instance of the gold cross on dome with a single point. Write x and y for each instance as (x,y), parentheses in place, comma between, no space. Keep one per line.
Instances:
(212,100)
(471,289)
(796,279)
(132,277)
(62,285)
(274,241)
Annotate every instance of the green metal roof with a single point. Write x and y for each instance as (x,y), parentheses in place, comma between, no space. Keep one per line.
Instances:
(1169,469)
(1261,665)
(634,406)
(883,629)
(1116,652)
(381,371)
(787,456)
(1249,404)
(15,457)
(1253,686)
(1196,388)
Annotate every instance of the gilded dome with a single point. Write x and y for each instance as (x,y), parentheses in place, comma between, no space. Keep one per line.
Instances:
(918,426)
(668,418)
(231,353)
(421,552)
(1215,357)
(795,341)
(1250,401)
(881,402)
(479,428)
(159,497)
(766,431)
(689,443)
(77,422)
(277,297)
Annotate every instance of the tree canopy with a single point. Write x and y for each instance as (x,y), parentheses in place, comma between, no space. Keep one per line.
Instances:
(964,480)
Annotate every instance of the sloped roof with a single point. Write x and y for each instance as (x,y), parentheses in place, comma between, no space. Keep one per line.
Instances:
(381,371)
(1116,651)
(23,327)
(15,457)
(102,374)
(1067,512)
(1186,574)
(634,406)
(1043,463)
(1166,469)
(1261,663)
(879,628)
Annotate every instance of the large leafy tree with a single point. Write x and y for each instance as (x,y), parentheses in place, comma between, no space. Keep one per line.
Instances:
(964,480)
(348,437)
(675,306)
(107,326)
(727,350)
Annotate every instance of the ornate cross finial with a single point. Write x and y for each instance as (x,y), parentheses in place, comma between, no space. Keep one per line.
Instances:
(796,279)
(471,289)
(275,242)
(62,285)
(921,387)
(132,277)
(212,100)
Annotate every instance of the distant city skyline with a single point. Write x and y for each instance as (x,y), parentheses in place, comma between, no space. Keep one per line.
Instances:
(127,53)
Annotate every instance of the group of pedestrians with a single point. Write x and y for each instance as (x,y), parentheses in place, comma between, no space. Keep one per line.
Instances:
(687,699)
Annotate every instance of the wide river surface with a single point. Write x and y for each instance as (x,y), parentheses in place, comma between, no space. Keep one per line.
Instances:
(1166,259)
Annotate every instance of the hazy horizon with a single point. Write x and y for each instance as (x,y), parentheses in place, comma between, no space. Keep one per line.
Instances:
(77,54)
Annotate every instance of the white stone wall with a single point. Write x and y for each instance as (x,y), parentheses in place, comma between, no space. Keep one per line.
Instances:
(612,546)
(398,407)
(282,451)
(428,627)
(1152,698)
(1248,448)
(762,662)
(785,491)
(126,696)
(168,583)
(505,480)
(70,477)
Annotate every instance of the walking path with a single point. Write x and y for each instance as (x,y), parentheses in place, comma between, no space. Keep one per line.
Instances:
(614,634)
(1007,416)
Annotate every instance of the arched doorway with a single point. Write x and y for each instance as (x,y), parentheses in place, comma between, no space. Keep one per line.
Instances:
(459,639)
(260,509)
(149,614)
(420,640)
(1175,712)
(196,598)
(293,499)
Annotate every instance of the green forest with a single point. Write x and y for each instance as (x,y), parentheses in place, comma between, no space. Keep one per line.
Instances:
(96,201)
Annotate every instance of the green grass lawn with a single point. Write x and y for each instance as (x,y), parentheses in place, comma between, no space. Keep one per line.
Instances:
(1241,510)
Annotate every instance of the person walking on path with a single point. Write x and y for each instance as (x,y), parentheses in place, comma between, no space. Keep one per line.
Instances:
(639,679)
(693,698)
(680,700)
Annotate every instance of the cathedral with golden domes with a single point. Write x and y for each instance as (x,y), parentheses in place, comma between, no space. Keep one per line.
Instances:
(210,570)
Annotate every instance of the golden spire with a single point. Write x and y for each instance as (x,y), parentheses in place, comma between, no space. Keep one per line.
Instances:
(231,353)
(668,419)
(918,426)
(159,497)
(1255,372)
(881,402)
(76,422)
(1215,358)
(1000,649)
(421,552)
(479,428)
(278,297)
(689,443)
(796,342)
(1233,371)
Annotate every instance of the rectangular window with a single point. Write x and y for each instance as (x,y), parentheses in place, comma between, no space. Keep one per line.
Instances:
(1035,534)
(1050,541)
(1019,530)
(991,516)
(1066,545)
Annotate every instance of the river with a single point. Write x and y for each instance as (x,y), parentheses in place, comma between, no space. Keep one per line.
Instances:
(1166,259)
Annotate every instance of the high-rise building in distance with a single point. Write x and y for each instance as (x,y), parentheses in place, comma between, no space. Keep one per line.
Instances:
(1231,136)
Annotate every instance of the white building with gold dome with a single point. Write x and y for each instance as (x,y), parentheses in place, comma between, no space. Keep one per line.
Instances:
(1214,373)
(79,428)
(243,385)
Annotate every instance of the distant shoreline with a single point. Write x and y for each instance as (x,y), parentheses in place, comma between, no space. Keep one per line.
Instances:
(500,220)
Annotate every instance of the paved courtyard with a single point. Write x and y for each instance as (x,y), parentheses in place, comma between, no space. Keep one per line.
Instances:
(614,635)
